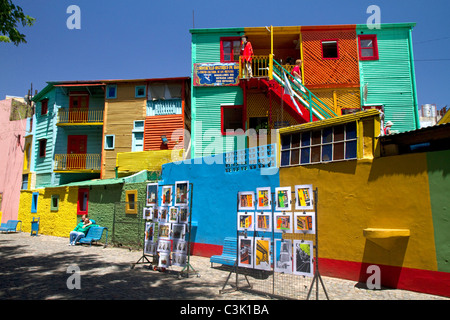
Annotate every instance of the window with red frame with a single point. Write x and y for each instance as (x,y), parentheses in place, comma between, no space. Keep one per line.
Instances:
(330,49)
(368,47)
(44,107)
(230,49)
(42,148)
(232,119)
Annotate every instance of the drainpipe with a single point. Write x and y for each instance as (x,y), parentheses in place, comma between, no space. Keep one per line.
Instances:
(413,80)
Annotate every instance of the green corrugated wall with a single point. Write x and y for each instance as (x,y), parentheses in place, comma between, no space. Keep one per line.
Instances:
(391,80)
(206,101)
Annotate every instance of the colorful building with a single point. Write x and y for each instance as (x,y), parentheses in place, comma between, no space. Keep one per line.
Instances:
(12,143)
(346,68)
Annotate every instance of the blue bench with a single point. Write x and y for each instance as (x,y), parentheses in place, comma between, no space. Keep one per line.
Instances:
(229,252)
(10,225)
(94,234)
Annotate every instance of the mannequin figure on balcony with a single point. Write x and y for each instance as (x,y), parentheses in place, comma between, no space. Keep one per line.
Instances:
(246,54)
(297,73)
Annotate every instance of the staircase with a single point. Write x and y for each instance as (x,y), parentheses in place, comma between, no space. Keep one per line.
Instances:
(307,107)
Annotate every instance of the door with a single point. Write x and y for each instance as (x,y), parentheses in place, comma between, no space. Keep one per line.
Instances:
(78,108)
(76,152)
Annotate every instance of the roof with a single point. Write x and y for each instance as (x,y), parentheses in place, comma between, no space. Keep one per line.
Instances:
(426,134)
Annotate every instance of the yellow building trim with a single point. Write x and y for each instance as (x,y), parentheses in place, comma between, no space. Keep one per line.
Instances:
(146,160)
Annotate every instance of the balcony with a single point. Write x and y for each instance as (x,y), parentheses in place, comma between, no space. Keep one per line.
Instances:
(77,163)
(81,116)
(262,66)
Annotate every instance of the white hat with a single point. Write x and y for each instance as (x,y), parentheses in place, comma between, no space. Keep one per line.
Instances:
(389,123)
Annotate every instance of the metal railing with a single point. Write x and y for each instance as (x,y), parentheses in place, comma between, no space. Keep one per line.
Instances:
(77,162)
(80,116)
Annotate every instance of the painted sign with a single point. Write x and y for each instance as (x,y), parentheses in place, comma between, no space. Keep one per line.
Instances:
(216,74)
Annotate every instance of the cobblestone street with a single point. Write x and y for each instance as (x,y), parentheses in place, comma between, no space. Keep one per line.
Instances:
(36,268)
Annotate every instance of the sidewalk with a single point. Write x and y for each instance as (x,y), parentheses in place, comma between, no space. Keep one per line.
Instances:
(36,268)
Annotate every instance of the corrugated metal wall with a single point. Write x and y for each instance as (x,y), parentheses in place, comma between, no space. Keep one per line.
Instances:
(389,79)
(206,101)
(157,126)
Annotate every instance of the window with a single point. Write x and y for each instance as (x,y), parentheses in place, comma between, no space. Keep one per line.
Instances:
(232,118)
(44,107)
(83,201)
(230,49)
(42,148)
(131,201)
(24,182)
(140,91)
(34,202)
(318,146)
(330,49)
(55,202)
(110,140)
(137,144)
(111,91)
(368,47)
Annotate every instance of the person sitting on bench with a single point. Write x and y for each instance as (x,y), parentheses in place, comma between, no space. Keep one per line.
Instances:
(80,230)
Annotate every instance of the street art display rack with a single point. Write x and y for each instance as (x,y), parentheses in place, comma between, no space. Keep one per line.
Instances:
(277,243)
(168,228)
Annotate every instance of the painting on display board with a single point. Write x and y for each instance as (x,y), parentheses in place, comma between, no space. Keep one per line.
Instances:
(147,213)
(164,230)
(163,215)
(283,222)
(164,245)
(245,221)
(264,197)
(150,247)
(283,256)
(178,231)
(164,260)
(179,259)
(183,214)
(155,213)
(166,197)
(304,197)
(181,193)
(246,200)
(262,253)
(173,214)
(180,246)
(283,198)
(149,231)
(303,258)
(304,222)
(245,252)
(152,194)
(263,221)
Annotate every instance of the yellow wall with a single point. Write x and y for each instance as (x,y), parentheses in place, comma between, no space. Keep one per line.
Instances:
(129,162)
(55,223)
(119,116)
(379,193)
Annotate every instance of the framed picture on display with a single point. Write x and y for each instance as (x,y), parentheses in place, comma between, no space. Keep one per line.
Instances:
(246,200)
(245,221)
(304,197)
(147,213)
(245,252)
(149,231)
(164,246)
(283,222)
(179,259)
(164,230)
(304,222)
(303,258)
(180,246)
(178,231)
(181,193)
(183,214)
(283,256)
(150,247)
(164,260)
(152,194)
(173,214)
(263,221)
(163,215)
(262,253)
(283,199)
(166,197)
(263,198)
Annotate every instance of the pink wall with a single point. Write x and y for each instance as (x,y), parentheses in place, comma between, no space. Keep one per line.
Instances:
(11,161)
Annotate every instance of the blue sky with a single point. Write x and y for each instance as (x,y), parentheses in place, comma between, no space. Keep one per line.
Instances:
(150,39)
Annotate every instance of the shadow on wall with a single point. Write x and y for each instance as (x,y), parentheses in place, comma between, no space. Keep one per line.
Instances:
(392,252)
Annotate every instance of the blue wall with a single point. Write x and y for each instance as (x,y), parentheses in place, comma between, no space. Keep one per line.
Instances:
(214,205)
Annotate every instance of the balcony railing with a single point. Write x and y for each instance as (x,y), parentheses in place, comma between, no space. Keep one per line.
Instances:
(80,116)
(261,66)
(77,162)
